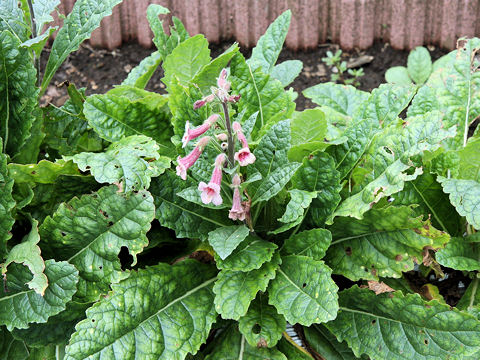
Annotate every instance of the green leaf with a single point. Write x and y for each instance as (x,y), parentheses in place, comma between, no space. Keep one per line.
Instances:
(382,108)
(77,27)
(234,290)
(132,161)
(419,65)
(469,161)
(385,243)
(231,345)
(45,172)
(388,165)
(461,254)
(186,60)
(38,43)
(142,73)
(62,281)
(374,325)
(270,44)
(318,174)
(225,239)
(312,243)
(188,220)
(30,150)
(324,343)
(465,196)
(18,93)
(164,43)
(309,129)
(42,10)
(28,254)
(299,201)
(251,254)
(398,75)
(11,348)
(344,99)
(292,350)
(274,182)
(259,92)
(303,291)
(90,231)
(162,312)
(262,326)
(126,111)
(430,201)
(287,71)
(13,20)
(6,204)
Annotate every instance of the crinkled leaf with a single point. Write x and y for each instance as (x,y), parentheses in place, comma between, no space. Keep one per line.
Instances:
(185,61)
(77,27)
(344,99)
(38,43)
(164,43)
(309,131)
(126,111)
(18,93)
(234,290)
(388,166)
(453,88)
(461,254)
(469,161)
(90,231)
(42,10)
(287,71)
(259,92)
(419,65)
(6,204)
(12,19)
(249,255)
(398,75)
(262,326)
(312,243)
(231,345)
(132,161)
(62,284)
(426,194)
(465,196)
(185,218)
(325,344)
(384,243)
(11,348)
(225,239)
(299,201)
(303,291)
(318,174)
(275,182)
(265,53)
(142,73)
(29,254)
(374,325)
(45,172)
(162,312)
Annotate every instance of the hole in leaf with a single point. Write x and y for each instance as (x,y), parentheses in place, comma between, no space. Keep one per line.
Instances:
(93,320)
(348,251)
(256,329)
(374,322)
(33,172)
(126,259)
(366,270)
(100,267)
(116,166)
(425,341)
(63,234)
(304,284)
(110,223)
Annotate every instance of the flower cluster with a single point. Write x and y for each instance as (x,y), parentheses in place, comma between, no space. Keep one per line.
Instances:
(230,139)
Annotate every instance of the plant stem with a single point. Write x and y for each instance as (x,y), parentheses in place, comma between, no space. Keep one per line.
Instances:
(231,144)
(36,59)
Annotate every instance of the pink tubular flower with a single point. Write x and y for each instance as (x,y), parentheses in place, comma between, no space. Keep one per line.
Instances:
(222,82)
(186,162)
(199,103)
(237,212)
(211,191)
(243,156)
(191,134)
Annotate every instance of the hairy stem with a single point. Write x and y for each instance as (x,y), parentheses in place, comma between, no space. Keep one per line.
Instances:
(36,59)
(231,144)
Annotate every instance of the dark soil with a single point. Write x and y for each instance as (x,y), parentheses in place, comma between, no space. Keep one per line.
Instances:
(99,70)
